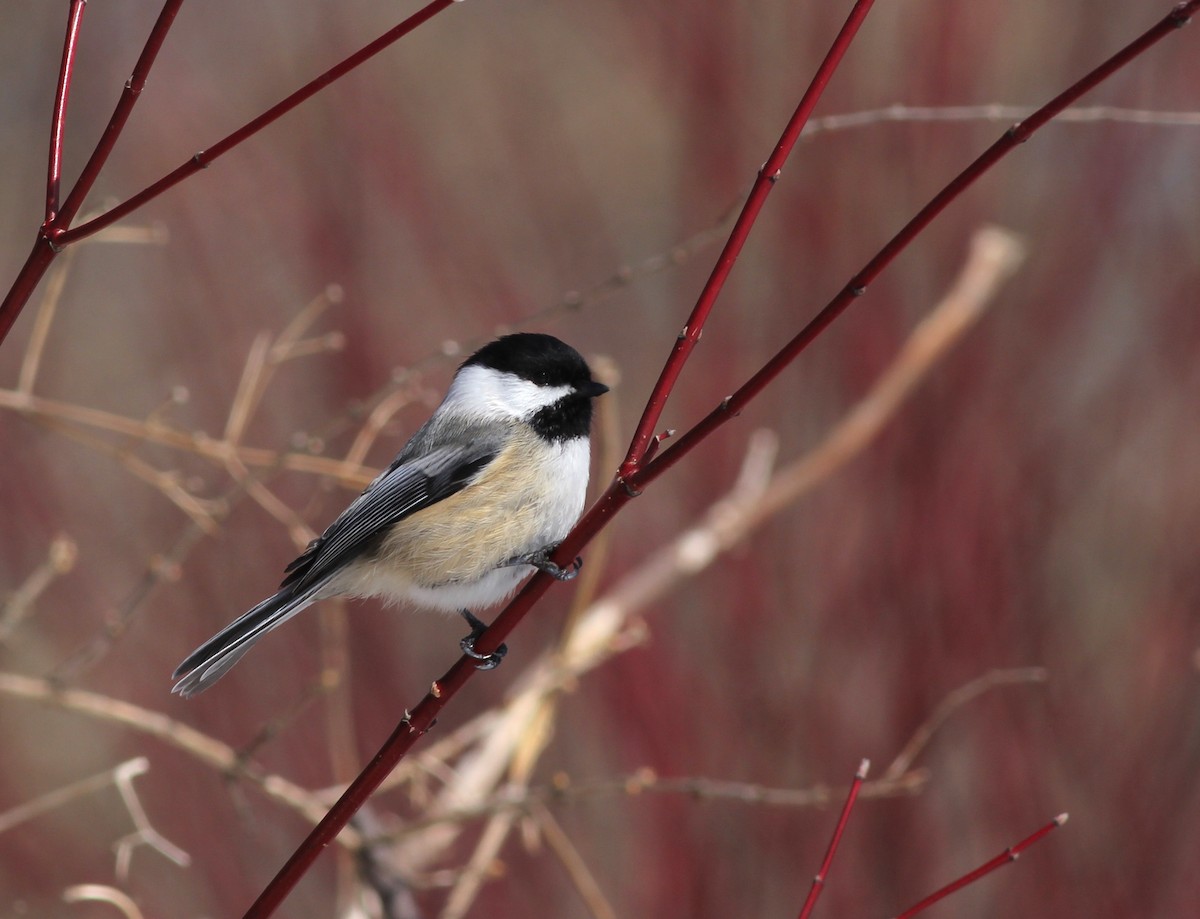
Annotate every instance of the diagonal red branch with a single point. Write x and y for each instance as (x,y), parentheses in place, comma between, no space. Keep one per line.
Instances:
(857,285)
(116,124)
(818,883)
(205,158)
(767,177)
(1008,856)
(59,117)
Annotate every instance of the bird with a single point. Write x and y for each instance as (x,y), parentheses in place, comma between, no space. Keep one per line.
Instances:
(474,503)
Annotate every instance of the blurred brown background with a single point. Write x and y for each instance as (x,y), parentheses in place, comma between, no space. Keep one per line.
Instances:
(1036,503)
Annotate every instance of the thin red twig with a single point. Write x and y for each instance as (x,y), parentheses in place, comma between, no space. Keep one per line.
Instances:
(116,124)
(59,117)
(1008,856)
(204,158)
(767,177)
(818,883)
(46,245)
(56,233)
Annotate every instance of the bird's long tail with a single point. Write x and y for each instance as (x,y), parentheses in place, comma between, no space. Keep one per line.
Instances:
(212,660)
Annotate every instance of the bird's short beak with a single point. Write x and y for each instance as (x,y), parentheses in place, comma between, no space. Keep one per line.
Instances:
(591,389)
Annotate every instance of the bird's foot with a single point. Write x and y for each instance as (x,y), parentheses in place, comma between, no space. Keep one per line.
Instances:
(478,627)
(541,561)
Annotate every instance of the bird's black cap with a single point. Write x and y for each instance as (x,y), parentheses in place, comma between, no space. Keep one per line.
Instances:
(541,359)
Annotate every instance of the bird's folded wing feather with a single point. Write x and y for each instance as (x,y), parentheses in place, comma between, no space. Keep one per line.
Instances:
(402,490)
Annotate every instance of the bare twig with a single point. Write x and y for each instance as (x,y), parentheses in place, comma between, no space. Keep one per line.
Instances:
(202,159)
(102,893)
(993,112)
(558,842)
(144,834)
(1007,857)
(19,604)
(41,325)
(768,175)
(208,750)
(121,777)
(525,800)
(53,800)
(818,883)
(469,882)
(39,408)
(951,704)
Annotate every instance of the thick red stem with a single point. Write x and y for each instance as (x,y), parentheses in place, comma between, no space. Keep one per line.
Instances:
(767,176)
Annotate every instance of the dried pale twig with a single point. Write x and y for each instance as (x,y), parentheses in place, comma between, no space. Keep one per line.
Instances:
(47,310)
(102,893)
(19,604)
(993,112)
(120,777)
(470,880)
(952,703)
(144,834)
(201,746)
(524,800)
(53,800)
(204,513)
(558,842)
(42,409)
(993,256)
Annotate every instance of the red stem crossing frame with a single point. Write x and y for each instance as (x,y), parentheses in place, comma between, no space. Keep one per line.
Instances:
(641,467)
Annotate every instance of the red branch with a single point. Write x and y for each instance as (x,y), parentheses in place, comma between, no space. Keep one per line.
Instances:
(857,285)
(116,124)
(818,883)
(1008,856)
(56,232)
(767,177)
(204,158)
(58,119)
(624,488)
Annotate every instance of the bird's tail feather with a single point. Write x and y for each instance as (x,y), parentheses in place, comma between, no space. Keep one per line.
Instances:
(212,660)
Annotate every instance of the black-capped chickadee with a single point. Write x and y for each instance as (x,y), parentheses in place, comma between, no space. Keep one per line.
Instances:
(473,504)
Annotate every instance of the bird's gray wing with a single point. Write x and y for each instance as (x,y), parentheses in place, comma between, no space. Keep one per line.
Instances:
(407,486)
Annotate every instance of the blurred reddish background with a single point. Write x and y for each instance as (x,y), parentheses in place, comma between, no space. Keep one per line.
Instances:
(1036,503)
